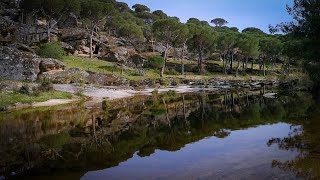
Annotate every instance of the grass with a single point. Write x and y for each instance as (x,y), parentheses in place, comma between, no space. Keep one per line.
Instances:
(13,98)
(102,66)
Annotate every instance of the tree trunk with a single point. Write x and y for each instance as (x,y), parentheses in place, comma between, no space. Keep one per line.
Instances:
(167,112)
(231,63)
(91,46)
(289,65)
(264,67)
(182,61)
(200,62)
(238,67)
(49,32)
(252,62)
(184,109)
(153,43)
(224,64)
(244,68)
(165,61)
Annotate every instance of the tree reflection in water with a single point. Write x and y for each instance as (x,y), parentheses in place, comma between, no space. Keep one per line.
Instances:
(304,139)
(77,139)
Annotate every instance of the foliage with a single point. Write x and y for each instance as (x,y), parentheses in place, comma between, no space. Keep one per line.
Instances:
(160,14)
(56,140)
(249,46)
(155,62)
(131,32)
(304,28)
(51,50)
(166,30)
(252,30)
(219,22)
(140,8)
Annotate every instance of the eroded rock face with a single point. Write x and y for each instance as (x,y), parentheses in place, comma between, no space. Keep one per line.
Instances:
(18,65)
(25,66)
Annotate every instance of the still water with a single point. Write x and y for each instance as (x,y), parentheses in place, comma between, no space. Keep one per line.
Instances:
(230,135)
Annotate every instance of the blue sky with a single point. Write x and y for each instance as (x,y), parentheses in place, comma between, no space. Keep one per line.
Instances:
(241,14)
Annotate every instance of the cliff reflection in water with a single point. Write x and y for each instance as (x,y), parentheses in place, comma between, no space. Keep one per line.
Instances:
(70,141)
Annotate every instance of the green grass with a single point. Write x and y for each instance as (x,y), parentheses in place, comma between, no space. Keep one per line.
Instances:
(102,66)
(87,64)
(13,98)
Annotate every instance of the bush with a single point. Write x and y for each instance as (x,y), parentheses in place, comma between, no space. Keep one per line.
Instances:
(155,62)
(171,71)
(51,50)
(46,86)
(24,89)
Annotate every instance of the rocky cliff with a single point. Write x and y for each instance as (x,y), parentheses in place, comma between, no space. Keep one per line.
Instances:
(25,66)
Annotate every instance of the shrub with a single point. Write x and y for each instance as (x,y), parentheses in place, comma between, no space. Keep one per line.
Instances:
(51,50)
(171,71)
(155,62)
(24,89)
(46,85)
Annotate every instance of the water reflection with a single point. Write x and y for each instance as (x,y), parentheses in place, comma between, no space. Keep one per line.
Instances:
(224,134)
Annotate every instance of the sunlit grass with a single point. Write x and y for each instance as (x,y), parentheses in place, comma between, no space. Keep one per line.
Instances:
(101,66)
(13,98)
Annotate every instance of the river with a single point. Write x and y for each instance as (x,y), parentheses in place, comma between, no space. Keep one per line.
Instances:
(204,135)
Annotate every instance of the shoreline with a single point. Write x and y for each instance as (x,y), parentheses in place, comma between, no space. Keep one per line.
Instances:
(96,94)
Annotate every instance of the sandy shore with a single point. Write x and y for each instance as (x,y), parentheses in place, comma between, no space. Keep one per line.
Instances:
(54,102)
(113,93)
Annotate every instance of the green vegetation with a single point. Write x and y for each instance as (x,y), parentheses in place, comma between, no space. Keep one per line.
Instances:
(51,50)
(13,98)
(52,11)
(155,62)
(100,66)
(56,140)
(195,41)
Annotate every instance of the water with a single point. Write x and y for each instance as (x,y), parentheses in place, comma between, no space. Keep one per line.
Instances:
(231,135)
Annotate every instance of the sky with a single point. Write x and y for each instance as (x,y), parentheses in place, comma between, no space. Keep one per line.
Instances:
(241,14)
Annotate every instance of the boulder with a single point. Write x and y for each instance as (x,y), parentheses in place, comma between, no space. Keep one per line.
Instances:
(18,65)
(49,64)
(120,55)
(25,66)
(72,75)
(67,47)
(107,79)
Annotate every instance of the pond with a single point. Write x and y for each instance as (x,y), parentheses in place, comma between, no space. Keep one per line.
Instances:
(205,135)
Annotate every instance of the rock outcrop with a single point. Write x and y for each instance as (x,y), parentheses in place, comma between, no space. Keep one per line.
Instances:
(72,75)
(18,65)
(25,66)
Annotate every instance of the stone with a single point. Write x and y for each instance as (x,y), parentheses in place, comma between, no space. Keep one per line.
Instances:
(120,55)
(24,47)
(25,66)
(68,48)
(72,75)
(18,65)
(107,79)
(49,64)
